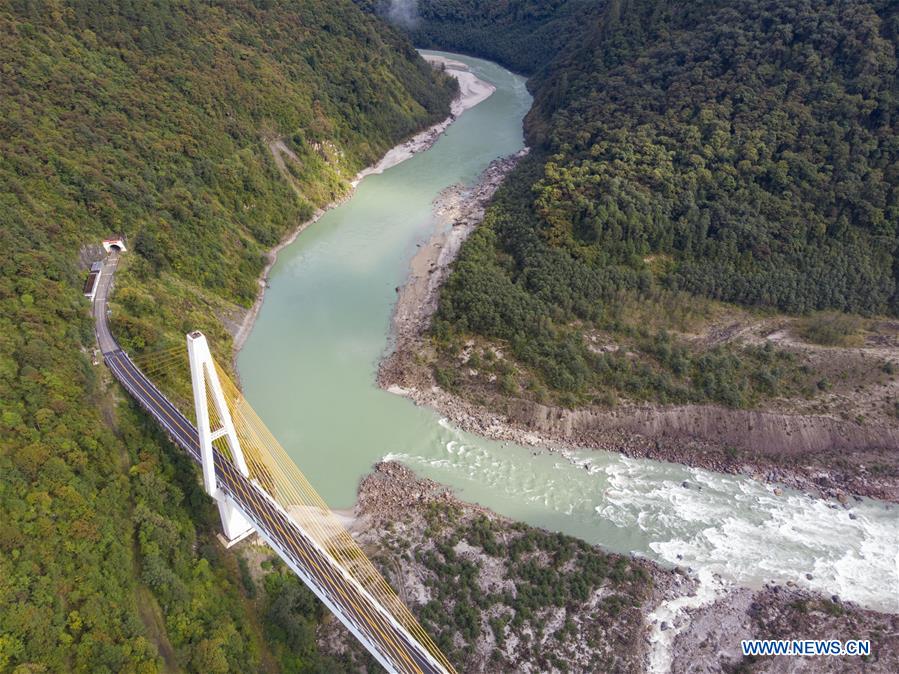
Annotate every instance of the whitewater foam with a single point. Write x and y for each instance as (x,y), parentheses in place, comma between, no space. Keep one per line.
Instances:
(725,524)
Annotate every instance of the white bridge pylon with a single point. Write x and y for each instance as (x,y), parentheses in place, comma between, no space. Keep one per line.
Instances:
(297,525)
(204,377)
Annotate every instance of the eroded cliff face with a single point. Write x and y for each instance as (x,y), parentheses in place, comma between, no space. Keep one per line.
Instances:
(827,453)
(816,453)
(765,433)
(821,455)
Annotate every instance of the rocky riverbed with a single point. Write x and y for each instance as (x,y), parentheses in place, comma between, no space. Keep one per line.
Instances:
(459,209)
(500,596)
(819,455)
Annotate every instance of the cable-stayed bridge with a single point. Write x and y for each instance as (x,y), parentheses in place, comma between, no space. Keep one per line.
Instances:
(258,488)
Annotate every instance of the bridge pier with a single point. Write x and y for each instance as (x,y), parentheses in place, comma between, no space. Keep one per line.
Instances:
(206,384)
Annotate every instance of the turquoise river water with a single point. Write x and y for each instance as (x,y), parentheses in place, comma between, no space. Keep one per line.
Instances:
(309,368)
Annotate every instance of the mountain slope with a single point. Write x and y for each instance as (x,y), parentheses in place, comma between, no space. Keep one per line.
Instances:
(755,144)
(521,34)
(685,154)
(154,119)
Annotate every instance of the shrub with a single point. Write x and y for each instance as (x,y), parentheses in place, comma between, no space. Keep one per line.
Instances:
(831,328)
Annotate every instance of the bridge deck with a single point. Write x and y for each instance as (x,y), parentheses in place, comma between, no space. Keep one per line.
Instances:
(387,640)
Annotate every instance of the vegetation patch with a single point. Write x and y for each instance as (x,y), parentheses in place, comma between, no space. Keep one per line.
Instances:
(580,333)
(829,328)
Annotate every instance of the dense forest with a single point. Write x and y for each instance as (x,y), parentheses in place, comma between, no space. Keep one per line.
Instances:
(154,119)
(744,152)
(754,143)
(521,34)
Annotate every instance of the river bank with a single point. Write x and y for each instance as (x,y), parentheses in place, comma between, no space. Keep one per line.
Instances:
(309,366)
(624,613)
(459,209)
(472,91)
(820,454)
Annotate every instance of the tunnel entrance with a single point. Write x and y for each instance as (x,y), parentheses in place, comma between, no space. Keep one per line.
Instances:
(114,244)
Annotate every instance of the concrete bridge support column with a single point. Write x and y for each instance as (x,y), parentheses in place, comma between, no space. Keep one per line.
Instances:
(203,374)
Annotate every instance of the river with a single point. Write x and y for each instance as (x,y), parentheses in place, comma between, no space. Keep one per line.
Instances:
(308,368)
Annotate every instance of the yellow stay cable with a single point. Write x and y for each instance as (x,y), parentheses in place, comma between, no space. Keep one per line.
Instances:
(293,483)
(272,468)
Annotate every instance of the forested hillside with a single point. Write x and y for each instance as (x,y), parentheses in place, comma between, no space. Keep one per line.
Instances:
(755,143)
(521,34)
(744,152)
(155,119)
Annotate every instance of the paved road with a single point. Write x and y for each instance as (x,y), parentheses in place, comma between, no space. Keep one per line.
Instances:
(105,339)
(390,643)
